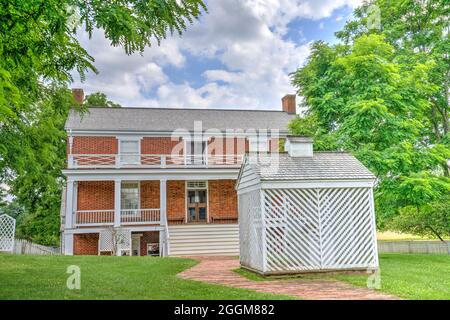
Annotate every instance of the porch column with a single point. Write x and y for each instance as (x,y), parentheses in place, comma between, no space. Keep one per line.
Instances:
(163,235)
(68,244)
(69,204)
(163,201)
(117,204)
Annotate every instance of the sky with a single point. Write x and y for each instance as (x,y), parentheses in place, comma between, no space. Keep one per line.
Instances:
(238,55)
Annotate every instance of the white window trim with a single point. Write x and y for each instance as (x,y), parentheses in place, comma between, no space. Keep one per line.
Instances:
(259,141)
(186,216)
(122,139)
(189,140)
(139,193)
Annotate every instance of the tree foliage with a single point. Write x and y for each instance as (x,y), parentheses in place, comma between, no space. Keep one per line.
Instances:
(383,95)
(99,99)
(39,53)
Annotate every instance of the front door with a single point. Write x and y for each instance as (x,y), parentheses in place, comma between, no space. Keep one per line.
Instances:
(197,205)
(135,245)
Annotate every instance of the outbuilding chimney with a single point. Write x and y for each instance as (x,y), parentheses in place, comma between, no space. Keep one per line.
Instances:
(298,146)
(288,104)
(78,95)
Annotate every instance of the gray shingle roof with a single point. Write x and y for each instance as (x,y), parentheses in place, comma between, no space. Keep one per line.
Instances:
(322,166)
(152,119)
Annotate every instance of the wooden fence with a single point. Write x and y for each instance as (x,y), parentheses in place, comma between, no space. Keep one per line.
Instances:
(26,247)
(414,246)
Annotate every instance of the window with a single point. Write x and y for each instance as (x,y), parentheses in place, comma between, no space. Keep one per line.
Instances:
(129,151)
(196,184)
(195,152)
(129,197)
(153,249)
(259,144)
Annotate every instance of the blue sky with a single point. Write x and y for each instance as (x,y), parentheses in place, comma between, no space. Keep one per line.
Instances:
(239,55)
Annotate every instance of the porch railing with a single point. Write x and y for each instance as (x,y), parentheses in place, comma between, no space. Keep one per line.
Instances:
(138,216)
(127,217)
(152,160)
(94,217)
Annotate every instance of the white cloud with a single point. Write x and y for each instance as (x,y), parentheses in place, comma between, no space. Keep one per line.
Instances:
(245,36)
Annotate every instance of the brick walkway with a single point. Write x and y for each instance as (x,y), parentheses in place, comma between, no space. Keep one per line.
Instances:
(218,270)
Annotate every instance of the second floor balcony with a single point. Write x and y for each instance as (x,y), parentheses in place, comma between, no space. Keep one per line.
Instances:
(91,161)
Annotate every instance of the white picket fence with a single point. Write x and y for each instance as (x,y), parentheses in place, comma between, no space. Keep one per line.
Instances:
(22,246)
(414,246)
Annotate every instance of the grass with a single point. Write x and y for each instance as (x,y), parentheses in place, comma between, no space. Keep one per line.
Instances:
(408,276)
(411,276)
(44,277)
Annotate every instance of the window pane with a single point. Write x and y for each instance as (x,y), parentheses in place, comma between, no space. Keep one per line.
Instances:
(263,145)
(129,147)
(130,196)
(258,144)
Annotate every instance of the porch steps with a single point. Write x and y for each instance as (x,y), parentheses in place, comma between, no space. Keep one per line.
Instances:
(204,239)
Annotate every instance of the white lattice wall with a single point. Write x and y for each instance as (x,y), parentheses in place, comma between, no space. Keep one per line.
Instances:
(120,237)
(311,229)
(250,230)
(7,232)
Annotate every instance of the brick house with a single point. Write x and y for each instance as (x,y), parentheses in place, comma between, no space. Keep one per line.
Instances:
(148,181)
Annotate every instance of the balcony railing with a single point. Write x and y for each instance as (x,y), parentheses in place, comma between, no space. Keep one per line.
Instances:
(137,216)
(152,160)
(127,217)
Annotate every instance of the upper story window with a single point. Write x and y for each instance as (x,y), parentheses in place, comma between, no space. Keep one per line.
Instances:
(196,151)
(258,144)
(129,151)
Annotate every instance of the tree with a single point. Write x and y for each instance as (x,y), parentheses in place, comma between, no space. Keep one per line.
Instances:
(432,220)
(99,99)
(419,32)
(373,95)
(39,51)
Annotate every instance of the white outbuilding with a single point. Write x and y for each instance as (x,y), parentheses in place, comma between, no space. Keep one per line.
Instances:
(304,211)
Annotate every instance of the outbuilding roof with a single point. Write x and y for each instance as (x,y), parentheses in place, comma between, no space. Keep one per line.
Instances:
(168,119)
(321,166)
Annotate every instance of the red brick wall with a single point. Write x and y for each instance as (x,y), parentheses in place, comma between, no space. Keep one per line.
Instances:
(85,244)
(227,145)
(160,145)
(95,195)
(148,237)
(176,194)
(94,145)
(222,199)
(274,144)
(150,194)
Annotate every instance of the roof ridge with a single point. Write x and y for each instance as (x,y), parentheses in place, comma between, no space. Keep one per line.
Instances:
(189,109)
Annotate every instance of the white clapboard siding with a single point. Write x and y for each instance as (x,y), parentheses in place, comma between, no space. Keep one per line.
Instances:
(204,239)
(248,178)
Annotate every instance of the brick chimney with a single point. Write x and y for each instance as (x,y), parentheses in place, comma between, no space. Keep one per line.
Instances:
(288,103)
(78,95)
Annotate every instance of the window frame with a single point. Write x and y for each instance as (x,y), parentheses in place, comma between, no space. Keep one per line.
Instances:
(138,195)
(259,141)
(136,140)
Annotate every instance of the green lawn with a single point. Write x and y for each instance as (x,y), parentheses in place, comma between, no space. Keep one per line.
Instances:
(44,277)
(409,276)
(418,276)
(412,276)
